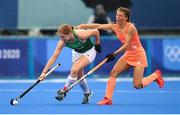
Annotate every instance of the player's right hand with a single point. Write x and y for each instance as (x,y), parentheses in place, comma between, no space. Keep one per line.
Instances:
(42,76)
(110,57)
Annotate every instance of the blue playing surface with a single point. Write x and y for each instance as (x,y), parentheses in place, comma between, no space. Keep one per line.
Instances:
(126,99)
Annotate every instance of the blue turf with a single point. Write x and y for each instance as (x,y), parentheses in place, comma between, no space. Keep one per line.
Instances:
(126,99)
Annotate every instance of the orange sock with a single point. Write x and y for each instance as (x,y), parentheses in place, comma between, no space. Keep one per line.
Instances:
(110,87)
(147,80)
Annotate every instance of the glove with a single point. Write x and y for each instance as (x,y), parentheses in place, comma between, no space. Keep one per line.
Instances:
(98,48)
(110,57)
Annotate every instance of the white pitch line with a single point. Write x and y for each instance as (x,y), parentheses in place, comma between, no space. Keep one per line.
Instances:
(97,91)
(90,80)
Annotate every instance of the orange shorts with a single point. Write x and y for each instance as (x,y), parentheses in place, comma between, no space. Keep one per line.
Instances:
(136,57)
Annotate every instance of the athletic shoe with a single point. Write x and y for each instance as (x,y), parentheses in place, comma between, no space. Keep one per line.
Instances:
(105,101)
(159,80)
(87,97)
(61,94)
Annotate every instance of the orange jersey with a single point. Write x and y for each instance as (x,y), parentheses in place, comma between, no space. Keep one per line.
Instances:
(135,54)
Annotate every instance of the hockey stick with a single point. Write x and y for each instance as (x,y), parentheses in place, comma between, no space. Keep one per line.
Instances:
(61,95)
(15,101)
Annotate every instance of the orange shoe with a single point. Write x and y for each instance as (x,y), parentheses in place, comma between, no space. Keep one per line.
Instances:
(159,80)
(105,101)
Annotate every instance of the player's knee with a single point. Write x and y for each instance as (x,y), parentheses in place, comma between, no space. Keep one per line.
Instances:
(113,73)
(74,71)
(138,85)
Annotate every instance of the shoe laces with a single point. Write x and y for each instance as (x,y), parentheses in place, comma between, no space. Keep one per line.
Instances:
(65,89)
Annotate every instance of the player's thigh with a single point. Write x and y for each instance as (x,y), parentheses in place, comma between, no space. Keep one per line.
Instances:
(120,66)
(80,64)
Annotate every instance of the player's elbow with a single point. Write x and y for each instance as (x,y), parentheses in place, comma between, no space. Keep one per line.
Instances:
(99,26)
(96,32)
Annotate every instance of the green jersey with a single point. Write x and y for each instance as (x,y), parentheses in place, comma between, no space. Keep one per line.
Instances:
(78,45)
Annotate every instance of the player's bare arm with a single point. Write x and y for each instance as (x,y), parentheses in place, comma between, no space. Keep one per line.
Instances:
(52,59)
(54,56)
(96,26)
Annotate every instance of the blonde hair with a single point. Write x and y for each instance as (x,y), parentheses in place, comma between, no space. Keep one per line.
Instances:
(126,11)
(64,29)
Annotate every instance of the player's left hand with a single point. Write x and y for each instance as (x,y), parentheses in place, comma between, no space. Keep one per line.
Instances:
(98,48)
(42,76)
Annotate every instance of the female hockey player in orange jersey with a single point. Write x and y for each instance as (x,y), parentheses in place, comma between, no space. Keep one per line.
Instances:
(134,56)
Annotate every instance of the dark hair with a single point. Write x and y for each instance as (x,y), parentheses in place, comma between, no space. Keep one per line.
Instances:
(126,11)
